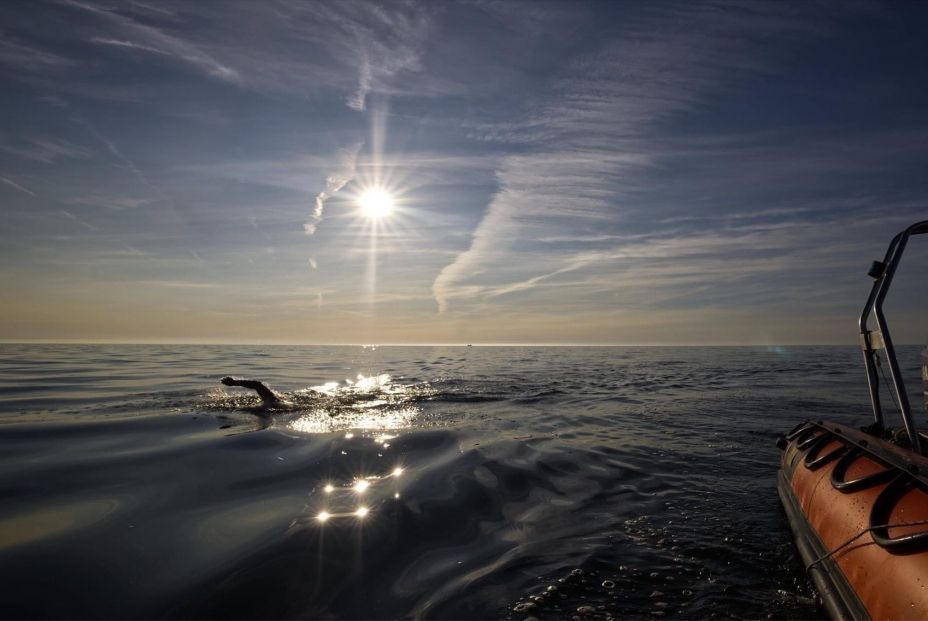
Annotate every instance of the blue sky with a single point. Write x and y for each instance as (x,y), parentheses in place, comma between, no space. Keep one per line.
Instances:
(563,172)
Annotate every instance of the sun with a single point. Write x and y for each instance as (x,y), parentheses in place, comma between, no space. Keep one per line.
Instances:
(375,204)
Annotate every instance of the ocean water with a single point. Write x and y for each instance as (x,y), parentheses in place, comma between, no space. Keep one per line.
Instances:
(434,482)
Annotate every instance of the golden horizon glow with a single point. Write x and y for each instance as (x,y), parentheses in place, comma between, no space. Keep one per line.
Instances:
(375,203)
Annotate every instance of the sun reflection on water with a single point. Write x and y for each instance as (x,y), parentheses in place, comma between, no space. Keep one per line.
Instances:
(368,402)
(342,500)
(361,384)
(366,410)
(321,421)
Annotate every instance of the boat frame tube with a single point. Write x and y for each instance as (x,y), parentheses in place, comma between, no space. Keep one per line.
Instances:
(874,340)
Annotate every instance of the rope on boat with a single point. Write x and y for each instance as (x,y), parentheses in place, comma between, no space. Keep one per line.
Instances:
(858,536)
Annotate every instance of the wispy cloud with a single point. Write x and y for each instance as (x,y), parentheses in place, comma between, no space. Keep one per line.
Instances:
(336,181)
(562,170)
(286,46)
(590,144)
(20,56)
(178,284)
(45,150)
(110,202)
(122,160)
(128,44)
(378,41)
(155,40)
(17,186)
(73,218)
(358,99)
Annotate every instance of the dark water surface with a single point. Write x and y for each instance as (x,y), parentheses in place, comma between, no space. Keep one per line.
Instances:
(501,482)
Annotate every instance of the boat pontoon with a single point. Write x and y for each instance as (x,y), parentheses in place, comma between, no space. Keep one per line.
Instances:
(857,499)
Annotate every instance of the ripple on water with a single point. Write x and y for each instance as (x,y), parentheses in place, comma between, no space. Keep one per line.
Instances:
(491,482)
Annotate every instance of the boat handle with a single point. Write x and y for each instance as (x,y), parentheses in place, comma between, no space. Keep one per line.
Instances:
(882,510)
(870,480)
(798,430)
(813,461)
(803,442)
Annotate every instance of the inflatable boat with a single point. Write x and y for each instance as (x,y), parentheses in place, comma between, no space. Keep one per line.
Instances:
(857,499)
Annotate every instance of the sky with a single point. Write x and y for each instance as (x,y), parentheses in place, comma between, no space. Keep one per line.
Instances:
(561,172)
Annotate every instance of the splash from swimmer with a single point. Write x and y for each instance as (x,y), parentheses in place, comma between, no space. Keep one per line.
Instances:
(269,399)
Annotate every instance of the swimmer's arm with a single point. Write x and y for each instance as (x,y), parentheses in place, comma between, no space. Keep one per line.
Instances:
(267,395)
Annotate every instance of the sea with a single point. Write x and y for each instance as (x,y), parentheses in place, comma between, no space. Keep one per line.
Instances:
(441,482)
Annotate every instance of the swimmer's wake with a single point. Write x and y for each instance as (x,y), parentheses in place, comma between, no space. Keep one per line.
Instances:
(368,403)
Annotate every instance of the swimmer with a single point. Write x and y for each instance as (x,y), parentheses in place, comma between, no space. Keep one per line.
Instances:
(269,398)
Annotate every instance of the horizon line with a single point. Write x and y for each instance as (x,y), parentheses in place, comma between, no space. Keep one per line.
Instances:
(417,344)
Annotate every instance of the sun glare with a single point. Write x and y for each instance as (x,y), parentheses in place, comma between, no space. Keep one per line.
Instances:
(375,204)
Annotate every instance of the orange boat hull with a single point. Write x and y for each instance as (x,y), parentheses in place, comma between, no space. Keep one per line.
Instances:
(858,573)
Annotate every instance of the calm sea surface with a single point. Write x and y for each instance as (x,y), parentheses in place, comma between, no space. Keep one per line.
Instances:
(457,482)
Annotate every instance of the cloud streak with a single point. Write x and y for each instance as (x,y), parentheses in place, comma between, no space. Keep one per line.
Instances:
(356,46)
(45,150)
(155,41)
(336,181)
(589,146)
(129,45)
(17,186)
(358,99)
(561,172)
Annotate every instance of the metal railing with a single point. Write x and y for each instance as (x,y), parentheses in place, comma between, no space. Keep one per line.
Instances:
(874,340)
